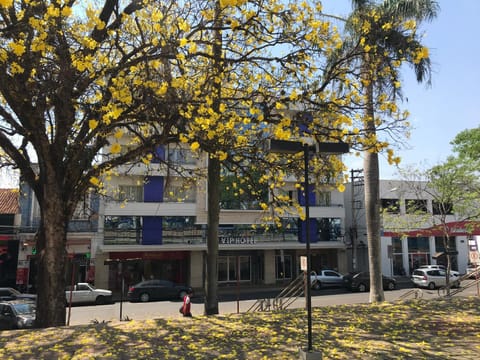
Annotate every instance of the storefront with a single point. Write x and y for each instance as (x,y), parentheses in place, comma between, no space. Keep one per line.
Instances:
(402,253)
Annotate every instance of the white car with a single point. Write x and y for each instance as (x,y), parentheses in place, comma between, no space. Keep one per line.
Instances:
(326,278)
(83,293)
(433,278)
(439,267)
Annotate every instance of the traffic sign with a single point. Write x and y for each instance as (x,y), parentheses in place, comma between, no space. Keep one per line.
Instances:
(474,257)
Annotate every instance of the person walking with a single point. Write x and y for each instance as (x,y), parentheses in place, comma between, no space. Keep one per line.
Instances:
(187,302)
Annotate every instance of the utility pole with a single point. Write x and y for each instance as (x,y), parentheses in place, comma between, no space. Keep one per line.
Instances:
(356,178)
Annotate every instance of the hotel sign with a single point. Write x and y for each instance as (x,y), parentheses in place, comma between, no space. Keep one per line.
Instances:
(236,240)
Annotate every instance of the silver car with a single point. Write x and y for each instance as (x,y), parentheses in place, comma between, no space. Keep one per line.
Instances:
(433,278)
(326,278)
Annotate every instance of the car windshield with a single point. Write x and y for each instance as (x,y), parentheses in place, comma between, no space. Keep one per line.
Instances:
(24,308)
(14,292)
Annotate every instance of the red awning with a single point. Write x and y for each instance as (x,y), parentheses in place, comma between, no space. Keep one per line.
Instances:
(6,237)
(454,228)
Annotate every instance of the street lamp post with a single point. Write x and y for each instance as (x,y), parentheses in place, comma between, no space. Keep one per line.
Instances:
(293,147)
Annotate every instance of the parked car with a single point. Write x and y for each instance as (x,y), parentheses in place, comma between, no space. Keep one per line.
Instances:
(439,267)
(361,282)
(84,293)
(157,290)
(325,278)
(17,314)
(8,293)
(433,278)
(473,271)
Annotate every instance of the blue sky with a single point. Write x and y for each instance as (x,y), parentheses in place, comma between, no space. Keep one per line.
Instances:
(450,105)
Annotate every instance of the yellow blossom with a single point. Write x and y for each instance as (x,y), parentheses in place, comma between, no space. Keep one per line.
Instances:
(195,146)
(92,124)
(116,148)
(18,48)
(6,3)
(94,181)
(118,134)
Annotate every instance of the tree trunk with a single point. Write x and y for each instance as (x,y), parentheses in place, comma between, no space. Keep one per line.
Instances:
(51,254)
(372,215)
(213,187)
(372,205)
(211,288)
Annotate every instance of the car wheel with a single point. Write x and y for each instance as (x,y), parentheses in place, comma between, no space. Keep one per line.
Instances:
(431,286)
(182,294)
(316,285)
(144,297)
(362,287)
(391,285)
(100,300)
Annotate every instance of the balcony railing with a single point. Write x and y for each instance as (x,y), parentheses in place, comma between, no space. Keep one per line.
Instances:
(194,236)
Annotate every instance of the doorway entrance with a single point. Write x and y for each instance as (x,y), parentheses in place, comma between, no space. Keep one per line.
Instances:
(415,260)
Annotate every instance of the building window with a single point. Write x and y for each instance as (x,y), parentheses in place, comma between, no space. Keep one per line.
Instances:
(130,193)
(122,222)
(440,245)
(415,206)
(419,244)
(179,191)
(323,198)
(440,248)
(83,209)
(391,206)
(329,229)
(228,266)
(238,195)
(440,208)
(180,156)
(283,267)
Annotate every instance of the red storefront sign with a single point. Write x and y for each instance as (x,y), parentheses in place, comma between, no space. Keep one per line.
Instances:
(22,276)
(454,228)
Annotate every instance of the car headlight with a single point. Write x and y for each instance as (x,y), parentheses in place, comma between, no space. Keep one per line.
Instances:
(23,322)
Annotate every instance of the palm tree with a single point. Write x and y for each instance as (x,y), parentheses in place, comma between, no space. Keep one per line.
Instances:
(381,31)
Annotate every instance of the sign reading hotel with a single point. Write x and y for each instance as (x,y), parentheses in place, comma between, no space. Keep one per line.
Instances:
(236,240)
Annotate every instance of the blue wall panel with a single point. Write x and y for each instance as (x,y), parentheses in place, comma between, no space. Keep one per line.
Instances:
(153,189)
(152,230)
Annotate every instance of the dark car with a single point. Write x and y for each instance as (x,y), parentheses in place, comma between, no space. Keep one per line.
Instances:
(157,290)
(17,314)
(8,293)
(361,282)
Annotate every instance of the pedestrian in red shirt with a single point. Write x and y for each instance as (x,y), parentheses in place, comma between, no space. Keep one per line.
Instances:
(187,304)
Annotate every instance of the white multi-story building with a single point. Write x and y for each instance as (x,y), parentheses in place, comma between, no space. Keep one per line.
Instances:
(410,235)
(160,218)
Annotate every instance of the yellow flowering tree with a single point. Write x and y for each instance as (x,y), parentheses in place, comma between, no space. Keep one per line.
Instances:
(255,67)
(76,77)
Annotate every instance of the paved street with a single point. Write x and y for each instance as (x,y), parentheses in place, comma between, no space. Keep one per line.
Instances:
(169,309)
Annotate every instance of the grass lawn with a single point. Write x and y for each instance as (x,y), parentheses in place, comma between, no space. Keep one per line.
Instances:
(415,329)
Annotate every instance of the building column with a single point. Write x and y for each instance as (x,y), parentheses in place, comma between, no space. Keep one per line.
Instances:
(101,270)
(196,269)
(406,264)
(342,261)
(269,258)
(431,246)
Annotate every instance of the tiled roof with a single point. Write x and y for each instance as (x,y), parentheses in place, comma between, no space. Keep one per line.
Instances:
(9,201)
